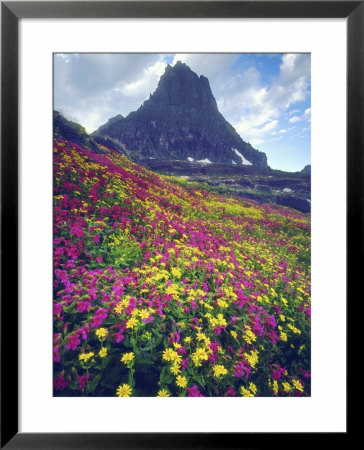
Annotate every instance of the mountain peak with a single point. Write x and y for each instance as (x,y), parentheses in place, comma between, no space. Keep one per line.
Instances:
(181,121)
(180,86)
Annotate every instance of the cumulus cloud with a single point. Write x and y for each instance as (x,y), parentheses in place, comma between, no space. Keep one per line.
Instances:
(94,87)
(251,104)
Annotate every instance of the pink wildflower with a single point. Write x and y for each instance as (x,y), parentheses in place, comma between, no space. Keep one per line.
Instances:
(230,392)
(59,382)
(73,341)
(82,381)
(194,392)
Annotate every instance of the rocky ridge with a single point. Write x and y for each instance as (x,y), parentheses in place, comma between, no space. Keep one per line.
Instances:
(181,122)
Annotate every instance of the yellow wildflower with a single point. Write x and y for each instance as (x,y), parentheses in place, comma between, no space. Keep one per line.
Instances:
(175,369)
(163,393)
(176,272)
(127,357)
(101,333)
(249,336)
(181,381)
(131,323)
(219,370)
(294,329)
(245,392)
(103,352)
(170,355)
(85,356)
(222,303)
(144,314)
(124,391)
(200,337)
(253,388)
(252,358)
(297,385)
(286,387)
(234,334)
(275,386)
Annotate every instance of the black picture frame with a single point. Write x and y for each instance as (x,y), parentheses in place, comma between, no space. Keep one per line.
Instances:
(11,12)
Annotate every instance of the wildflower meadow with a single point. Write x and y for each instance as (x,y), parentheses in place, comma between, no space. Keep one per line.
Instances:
(166,288)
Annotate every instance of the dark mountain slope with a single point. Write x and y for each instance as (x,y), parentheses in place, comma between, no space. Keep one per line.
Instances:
(181,121)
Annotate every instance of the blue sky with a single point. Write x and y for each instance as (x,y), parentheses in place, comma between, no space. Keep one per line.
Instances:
(266,97)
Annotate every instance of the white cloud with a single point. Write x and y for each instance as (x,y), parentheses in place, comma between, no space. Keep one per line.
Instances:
(95,87)
(295,119)
(250,105)
(148,81)
(256,142)
(282,131)
(305,116)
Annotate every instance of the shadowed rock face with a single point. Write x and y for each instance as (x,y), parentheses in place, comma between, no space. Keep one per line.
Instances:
(181,121)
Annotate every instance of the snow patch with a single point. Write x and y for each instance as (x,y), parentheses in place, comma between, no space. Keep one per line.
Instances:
(233,162)
(190,159)
(151,157)
(287,190)
(243,160)
(206,161)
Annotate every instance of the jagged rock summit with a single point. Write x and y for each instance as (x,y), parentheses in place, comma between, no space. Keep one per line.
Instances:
(181,121)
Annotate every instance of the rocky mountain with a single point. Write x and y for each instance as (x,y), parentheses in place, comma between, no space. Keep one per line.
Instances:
(181,121)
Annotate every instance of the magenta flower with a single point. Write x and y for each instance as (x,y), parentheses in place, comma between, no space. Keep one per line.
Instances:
(73,341)
(82,381)
(194,392)
(57,309)
(184,363)
(70,264)
(242,369)
(230,392)
(98,318)
(59,382)
(277,372)
(119,337)
(83,306)
(56,355)
(305,373)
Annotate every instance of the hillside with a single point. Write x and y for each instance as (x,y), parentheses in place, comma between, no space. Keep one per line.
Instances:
(166,288)
(265,186)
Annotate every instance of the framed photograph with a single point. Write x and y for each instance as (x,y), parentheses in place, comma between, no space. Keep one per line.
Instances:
(156,233)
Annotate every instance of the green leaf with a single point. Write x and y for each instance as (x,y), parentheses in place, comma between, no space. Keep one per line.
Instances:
(91,386)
